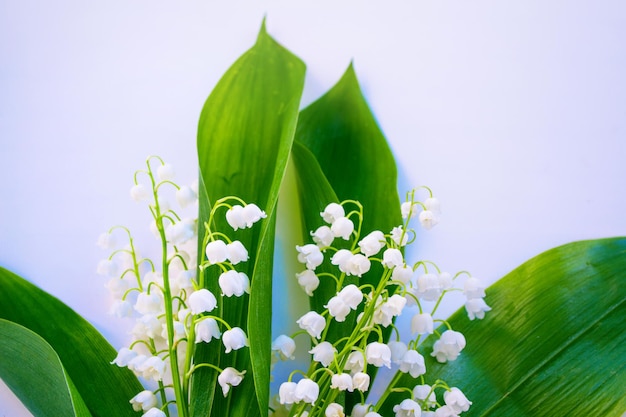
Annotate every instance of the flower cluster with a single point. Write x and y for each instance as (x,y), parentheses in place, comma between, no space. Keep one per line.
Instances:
(339,254)
(172,308)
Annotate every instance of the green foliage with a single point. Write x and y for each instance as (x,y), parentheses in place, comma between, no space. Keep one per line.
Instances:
(30,365)
(83,353)
(244,138)
(553,345)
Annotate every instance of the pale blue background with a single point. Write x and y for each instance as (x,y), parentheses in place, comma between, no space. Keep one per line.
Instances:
(513,112)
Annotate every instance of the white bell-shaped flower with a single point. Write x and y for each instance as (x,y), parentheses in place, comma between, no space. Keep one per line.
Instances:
(235,218)
(323,353)
(426,394)
(229,377)
(342,382)
(457,400)
(392,258)
(207,330)
(338,308)
(402,274)
(448,347)
(429,287)
(234,283)
(372,243)
(332,212)
(145,400)
(473,288)
(186,196)
(334,410)
(216,252)
(149,303)
(153,368)
(179,232)
(413,363)
(433,205)
(313,323)
(309,281)
(422,324)
(307,390)
(284,347)
(121,309)
(445,280)
(476,308)
(408,209)
(108,268)
(106,241)
(407,408)
(124,356)
(342,227)
(355,362)
(323,236)
(351,295)
(358,265)
(310,255)
(341,258)
(398,349)
(139,192)
(399,236)
(154,412)
(378,354)
(428,219)
(236,252)
(287,393)
(252,214)
(202,301)
(360,410)
(165,172)
(361,381)
(234,339)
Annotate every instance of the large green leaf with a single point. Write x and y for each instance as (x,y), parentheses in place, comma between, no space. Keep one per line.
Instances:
(245,135)
(84,353)
(554,343)
(33,371)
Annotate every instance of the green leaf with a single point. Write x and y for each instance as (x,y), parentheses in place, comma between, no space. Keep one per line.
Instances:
(554,342)
(245,135)
(84,353)
(33,371)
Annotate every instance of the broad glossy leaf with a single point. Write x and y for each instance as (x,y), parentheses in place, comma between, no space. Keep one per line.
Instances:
(245,135)
(33,371)
(84,353)
(554,343)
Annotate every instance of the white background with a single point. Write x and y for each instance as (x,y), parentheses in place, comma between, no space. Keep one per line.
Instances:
(513,112)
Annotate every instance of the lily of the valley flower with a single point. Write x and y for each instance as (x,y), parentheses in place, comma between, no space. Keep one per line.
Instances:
(324,353)
(202,301)
(392,258)
(332,212)
(378,354)
(309,281)
(426,394)
(413,363)
(476,308)
(323,236)
(448,347)
(234,339)
(334,410)
(216,252)
(371,244)
(313,323)
(154,412)
(355,362)
(342,227)
(236,252)
(422,324)
(361,381)
(139,192)
(284,347)
(234,283)
(165,172)
(407,408)
(229,377)
(310,255)
(145,400)
(207,330)
(342,382)
(457,400)
(186,196)
(307,390)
